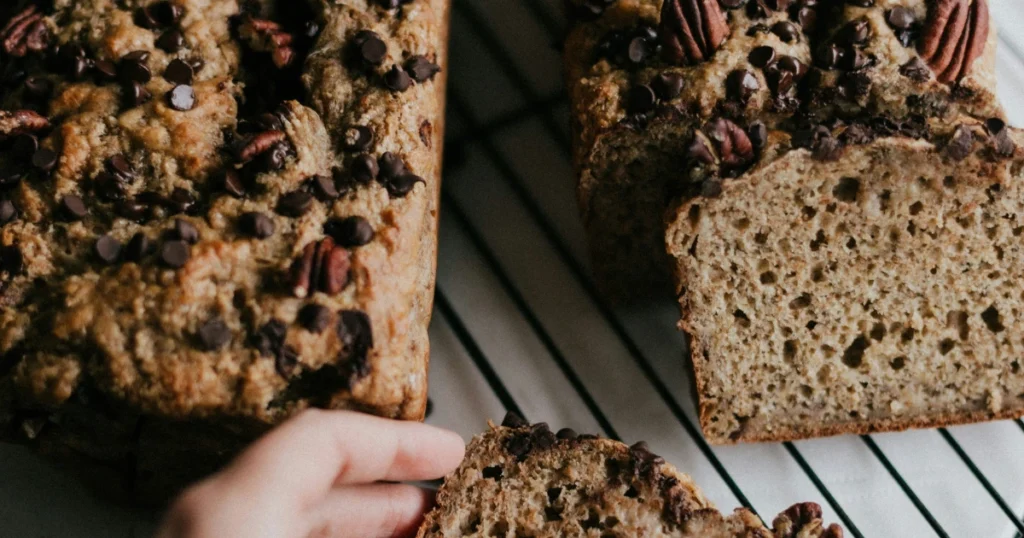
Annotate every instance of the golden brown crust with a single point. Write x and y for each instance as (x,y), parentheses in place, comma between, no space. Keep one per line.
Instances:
(217,338)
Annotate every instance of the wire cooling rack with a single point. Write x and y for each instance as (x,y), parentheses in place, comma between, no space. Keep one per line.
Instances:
(519,326)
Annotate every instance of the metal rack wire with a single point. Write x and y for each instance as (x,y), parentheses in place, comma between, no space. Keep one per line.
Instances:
(476,17)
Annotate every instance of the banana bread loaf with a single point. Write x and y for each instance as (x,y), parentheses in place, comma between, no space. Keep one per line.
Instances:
(644,75)
(213,214)
(523,480)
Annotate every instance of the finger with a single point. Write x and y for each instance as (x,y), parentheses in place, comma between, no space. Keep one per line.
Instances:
(209,510)
(370,511)
(307,456)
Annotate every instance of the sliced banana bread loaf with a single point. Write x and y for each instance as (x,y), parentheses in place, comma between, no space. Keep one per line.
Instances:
(848,284)
(643,75)
(522,480)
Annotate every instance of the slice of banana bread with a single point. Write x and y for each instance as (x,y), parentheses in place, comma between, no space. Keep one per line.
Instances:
(520,480)
(848,284)
(643,75)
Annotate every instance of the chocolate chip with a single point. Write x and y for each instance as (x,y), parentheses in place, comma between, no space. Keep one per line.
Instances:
(38,87)
(357,138)
(182,97)
(641,99)
(350,232)
(667,86)
(118,164)
(808,19)
(355,333)
(105,70)
(175,254)
(397,80)
(732,4)
(421,69)
(107,249)
(186,231)
(286,361)
(513,420)
(761,56)
(758,134)
(828,56)
(274,158)
(132,210)
(11,260)
(787,31)
(44,159)
(315,318)
(900,18)
(518,446)
(391,165)
(854,33)
(323,188)
(180,201)
(791,64)
(178,72)
(960,144)
(310,29)
(916,70)
(144,18)
(741,85)
(138,248)
(638,50)
(856,59)
(365,168)
(295,204)
(233,184)
(171,41)
(493,472)
(214,334)
(258,225)
(372,49)
(7,211)
(402,185)
(136,95)
(73,207)
(270,338)
(566,434)
(133,67)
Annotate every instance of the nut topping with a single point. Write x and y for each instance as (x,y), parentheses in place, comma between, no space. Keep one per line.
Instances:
(691,30)
(26,31)
(254,146)
(323,266)
(733,144)
(21,122)
(954,37)
(267,36)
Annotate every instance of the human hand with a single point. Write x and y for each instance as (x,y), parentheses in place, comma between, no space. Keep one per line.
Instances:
(319,475)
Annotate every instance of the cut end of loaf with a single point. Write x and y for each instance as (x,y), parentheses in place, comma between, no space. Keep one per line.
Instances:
(524,481)
(877,292)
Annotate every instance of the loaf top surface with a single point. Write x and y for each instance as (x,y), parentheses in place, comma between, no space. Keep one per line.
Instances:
(525,480)
(218,208)
(632,64)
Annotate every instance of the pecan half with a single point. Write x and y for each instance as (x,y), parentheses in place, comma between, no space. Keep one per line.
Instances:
(13,122)
(251,147)
(733,143)
(267,36)
(323,266)
(691,30)
(954,37)
(796,518)
(26,31)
